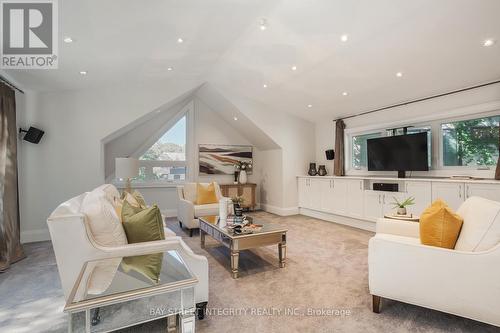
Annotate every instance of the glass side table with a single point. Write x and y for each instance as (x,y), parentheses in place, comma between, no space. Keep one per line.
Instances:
(112,294)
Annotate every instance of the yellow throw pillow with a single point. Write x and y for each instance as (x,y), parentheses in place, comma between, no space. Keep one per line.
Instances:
(205,194)
(440,226)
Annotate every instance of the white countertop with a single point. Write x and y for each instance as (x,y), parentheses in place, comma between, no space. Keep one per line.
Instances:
(412,179)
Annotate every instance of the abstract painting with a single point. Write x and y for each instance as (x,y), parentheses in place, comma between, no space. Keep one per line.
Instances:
(220,159)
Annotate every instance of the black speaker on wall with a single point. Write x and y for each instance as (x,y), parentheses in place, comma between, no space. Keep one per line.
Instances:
(330,154)
(33,134)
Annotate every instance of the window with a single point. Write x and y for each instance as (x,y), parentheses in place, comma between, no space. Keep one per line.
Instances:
(165,160)
(420,129)
(359,154)
(470,142)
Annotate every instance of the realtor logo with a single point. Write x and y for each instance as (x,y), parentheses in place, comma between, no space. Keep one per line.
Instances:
(29,34)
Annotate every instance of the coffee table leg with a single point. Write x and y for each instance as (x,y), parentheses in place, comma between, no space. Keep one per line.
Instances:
(202,238)
(282,251)
(235,256)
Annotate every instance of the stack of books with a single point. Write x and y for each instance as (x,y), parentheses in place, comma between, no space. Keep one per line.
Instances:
(233,219)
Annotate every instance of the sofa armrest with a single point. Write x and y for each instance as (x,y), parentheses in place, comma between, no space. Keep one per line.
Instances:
(398,227)
(185,211)
(459,282)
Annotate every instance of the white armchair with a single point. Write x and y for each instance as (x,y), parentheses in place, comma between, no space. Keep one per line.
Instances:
(74,244)
(187,209)
(463,281)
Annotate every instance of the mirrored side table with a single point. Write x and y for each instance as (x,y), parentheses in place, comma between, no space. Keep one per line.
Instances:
(116,293)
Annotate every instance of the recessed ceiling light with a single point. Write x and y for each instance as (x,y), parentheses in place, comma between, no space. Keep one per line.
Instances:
(488,42)
(169,68)
(345,93)
(399,74)
(83,72)
(344,38)
(264,85)
(263,24)
(68,40)
(294,68)
(235,118)
(180,40)
(309,105)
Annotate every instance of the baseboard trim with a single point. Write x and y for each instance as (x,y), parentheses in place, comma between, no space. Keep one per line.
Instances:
(352,222)
(36,235)
(287,211)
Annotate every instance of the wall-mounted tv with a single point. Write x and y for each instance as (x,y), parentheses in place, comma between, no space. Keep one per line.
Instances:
(398,153)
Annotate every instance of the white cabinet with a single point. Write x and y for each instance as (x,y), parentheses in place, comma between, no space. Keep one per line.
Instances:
(451,193)
(339,196)
(355,197)
(422,192)
(326,195)
(304,189)
(487,191)
(372,205)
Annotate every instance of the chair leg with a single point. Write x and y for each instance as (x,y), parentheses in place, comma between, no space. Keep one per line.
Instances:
(180,224)
(191,232)
(376,303)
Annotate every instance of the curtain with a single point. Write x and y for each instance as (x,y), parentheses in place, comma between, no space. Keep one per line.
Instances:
(10,243)
(339,165)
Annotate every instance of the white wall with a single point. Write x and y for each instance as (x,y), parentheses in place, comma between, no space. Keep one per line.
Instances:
(460,104)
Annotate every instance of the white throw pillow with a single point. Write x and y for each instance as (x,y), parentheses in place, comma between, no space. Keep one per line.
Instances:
(107,230)
(102,219)
(481,227)
(190,192)
(110,191)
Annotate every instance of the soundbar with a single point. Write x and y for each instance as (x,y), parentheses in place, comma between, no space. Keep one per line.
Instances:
(389,187)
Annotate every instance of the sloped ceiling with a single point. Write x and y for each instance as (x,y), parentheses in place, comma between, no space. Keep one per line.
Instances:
(437,45)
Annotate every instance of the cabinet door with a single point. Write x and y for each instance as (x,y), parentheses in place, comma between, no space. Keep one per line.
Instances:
(315,190)
(422,192)
(451,193)
(355,197)
(373,205)
(339,196)
(326,195)
(303,184)
(487,191)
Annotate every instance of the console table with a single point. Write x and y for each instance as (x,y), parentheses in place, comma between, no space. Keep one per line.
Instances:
(247,191)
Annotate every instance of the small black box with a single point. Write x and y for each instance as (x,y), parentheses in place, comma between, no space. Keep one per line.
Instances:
(389,187)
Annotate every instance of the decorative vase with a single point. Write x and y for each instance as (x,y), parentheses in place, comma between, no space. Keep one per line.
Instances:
(238,211)
(401,210)
(243,177)
(322,170)
(312,169)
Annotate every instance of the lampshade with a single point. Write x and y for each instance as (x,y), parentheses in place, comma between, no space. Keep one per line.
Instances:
(126,167)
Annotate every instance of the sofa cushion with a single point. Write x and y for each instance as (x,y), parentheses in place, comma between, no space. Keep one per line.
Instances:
(189,191)
(143,225)
(206,210)
(481,229)
(205,194)
(168,232)
(439,226)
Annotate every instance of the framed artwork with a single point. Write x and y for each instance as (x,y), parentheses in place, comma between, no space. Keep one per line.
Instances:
(221,159)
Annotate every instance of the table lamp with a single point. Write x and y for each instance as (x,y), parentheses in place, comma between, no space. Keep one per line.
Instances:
(126,168)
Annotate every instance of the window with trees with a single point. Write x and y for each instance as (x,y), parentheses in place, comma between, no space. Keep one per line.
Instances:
(471,142)
(165,160)
(359,154)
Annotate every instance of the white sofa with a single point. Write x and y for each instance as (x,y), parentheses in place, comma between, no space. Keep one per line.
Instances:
(74,244)
(464,281)
(187,209)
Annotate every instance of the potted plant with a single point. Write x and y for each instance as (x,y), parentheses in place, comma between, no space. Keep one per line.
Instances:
(401,205)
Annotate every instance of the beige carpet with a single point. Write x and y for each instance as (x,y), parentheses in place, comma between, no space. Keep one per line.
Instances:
(327,270)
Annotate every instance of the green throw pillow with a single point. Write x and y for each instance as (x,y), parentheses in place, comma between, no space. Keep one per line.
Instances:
(143,225)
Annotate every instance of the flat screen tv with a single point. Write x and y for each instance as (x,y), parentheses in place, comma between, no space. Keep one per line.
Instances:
(398,153)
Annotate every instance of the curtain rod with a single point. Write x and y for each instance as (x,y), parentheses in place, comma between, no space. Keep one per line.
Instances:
(10,84)
(419,100)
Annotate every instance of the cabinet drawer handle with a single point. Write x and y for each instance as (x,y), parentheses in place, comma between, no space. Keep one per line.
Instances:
(379,199)
(360,184)
(460,191)
(384,198)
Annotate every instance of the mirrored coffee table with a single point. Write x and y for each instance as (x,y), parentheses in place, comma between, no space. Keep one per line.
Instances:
(112,294)
(268,235)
